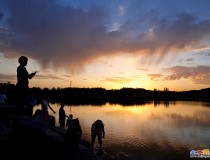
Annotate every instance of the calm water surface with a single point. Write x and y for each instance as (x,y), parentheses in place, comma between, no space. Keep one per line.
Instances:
(151,131)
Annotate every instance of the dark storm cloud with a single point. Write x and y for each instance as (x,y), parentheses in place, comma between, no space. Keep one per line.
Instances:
(183,32)
(71,37)
(54,34)
(199,74)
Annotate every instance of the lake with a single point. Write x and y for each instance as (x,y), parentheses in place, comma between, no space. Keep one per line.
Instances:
(150,131)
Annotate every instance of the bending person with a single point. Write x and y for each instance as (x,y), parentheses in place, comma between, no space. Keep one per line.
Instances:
(97,130)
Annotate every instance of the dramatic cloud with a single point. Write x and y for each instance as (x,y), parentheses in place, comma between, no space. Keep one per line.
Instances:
(71,37)
(199,74)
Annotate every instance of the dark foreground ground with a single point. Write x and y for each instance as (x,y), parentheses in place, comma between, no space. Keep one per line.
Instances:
(23,138)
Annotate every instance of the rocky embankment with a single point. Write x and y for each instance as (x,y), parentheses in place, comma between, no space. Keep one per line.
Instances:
(27,138)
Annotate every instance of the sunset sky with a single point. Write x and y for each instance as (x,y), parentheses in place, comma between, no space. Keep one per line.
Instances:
(107,43)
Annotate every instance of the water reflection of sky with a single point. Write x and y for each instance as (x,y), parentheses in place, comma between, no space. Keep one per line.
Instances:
(180,124)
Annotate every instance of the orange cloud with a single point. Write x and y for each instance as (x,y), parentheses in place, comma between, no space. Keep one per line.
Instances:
(199,74)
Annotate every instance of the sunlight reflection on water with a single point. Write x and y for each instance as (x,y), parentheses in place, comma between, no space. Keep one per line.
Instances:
(150,131)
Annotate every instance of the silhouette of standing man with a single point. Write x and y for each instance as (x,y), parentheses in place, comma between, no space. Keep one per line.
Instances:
(62,116)
(22,83)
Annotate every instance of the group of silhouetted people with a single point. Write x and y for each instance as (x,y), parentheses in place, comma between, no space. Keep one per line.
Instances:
(74,131)
(25,98)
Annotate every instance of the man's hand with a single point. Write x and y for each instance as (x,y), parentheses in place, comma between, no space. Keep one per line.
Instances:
(33,74)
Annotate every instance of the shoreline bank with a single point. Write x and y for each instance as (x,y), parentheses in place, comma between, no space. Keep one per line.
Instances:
(22,137)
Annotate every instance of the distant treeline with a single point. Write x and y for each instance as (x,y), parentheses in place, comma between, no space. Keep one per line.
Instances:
(101,96)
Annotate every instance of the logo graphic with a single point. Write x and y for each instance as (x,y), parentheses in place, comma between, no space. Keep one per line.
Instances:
(200,153)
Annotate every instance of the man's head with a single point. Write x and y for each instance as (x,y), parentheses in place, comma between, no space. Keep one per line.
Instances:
(62,104)
(98,124)
(23,60)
